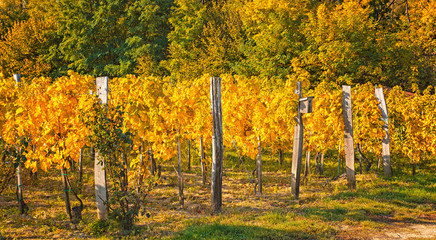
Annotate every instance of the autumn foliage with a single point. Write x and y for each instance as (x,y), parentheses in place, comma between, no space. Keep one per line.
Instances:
(49,118)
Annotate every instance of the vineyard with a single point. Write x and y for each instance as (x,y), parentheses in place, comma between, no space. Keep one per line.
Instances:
(54,125)
(217,119)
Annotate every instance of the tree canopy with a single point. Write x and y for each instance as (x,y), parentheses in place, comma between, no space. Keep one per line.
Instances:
(385,42)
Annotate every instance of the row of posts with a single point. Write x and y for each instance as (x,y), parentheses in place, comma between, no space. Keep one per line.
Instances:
(304,106)
(217,150)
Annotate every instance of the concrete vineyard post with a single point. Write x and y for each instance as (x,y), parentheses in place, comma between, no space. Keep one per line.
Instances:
(387,168)
(348,136)
(99,162)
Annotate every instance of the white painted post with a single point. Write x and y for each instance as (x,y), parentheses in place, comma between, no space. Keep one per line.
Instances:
(102,89)
(99,171)
(387,168)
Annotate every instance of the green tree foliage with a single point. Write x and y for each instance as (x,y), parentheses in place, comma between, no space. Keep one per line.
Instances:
(24,46)
(389,42)
(273,36)
(342,44)
(419,39)
(28,35)
(11,11)
(188,21)
(108,37)
(113,143)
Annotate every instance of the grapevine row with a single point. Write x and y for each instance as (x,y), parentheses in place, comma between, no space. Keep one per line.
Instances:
(46,118)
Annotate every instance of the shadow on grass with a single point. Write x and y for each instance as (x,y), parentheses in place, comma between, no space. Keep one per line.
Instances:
(417,191)
(226,231)
(382,200)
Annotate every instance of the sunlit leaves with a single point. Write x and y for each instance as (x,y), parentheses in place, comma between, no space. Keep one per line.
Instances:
(47,114)
(412,121)
(23,46)
(325,124)
(50,120)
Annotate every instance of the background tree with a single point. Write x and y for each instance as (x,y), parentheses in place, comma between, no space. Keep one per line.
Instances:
(11,11)
(187,20)
(387,42)
(342,44)
(273,38)
(24,46)
(205,40)
(419,39)
(109,37)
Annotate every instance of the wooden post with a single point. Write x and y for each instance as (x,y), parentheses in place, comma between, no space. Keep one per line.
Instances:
(66,191)
(316,161)
(159,171)
(81,166)
(259,165)
(189,155)
(102,89)
(339,160)
(141,164)
(297,148)
(387,168)
(92,153)
(217,145)
(179,173)
(203,165)
(153,162)
(360,159)
(21,204)
(307,167)
(99,162)
(72,165)
(348,136)
(322,163)
(100,186)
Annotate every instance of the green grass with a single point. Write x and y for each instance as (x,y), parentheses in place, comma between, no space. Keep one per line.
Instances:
(230,231)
